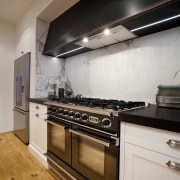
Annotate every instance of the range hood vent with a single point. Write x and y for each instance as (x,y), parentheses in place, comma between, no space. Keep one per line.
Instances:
(117,34)
(124,18)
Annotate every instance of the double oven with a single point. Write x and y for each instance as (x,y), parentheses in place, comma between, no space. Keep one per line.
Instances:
(83,143)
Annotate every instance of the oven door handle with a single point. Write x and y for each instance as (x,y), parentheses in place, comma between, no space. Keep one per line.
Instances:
(56,124)
(103,142)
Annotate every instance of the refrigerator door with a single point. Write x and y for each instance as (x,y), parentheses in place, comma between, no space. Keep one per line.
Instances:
(21,125)
(21,97)
(22,82)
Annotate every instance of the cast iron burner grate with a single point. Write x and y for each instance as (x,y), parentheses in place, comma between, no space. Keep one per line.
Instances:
(102,103)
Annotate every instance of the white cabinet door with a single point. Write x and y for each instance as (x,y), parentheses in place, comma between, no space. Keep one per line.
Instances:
(144,164)
(38,127)
(38,131)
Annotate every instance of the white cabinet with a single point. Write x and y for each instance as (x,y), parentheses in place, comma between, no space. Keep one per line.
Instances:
(145,154)
(38,131)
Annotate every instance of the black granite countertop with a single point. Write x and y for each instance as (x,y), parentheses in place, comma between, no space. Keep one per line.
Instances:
(38,100)
(154,116)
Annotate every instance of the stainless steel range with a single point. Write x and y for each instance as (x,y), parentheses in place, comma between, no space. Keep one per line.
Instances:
(83,136)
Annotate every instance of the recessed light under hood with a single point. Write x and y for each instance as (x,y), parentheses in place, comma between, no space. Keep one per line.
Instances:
(117,34)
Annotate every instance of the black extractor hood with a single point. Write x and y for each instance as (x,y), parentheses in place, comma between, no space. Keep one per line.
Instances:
(126,19)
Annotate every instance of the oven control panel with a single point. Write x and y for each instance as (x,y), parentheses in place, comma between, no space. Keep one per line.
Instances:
(83,117)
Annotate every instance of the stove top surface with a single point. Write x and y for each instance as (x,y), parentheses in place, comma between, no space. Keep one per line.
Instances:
(91,112)
(111,104)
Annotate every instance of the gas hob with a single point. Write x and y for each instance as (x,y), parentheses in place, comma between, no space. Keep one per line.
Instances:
(101,114)
(105,106)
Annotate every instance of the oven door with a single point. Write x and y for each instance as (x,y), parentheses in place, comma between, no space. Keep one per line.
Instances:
(93,156)
(59,140)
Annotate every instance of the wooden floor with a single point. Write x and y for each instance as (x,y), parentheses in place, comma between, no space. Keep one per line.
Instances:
(17,163)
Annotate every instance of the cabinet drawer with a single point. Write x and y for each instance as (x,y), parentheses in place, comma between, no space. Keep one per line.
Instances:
(37,115)
(144,164)
(153,139)
(39,108)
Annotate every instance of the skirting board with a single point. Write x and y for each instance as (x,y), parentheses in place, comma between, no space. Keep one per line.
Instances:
(42,158)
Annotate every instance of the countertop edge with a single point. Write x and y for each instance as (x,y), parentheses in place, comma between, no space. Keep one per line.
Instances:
(38,100)
(139,117)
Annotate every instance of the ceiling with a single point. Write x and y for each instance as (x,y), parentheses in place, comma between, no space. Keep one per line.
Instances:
(12,10)
(55,9)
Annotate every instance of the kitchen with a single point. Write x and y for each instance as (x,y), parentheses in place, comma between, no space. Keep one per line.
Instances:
(119,71)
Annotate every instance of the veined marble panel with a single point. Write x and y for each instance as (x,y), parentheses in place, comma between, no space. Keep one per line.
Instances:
(49,70)
(130,70)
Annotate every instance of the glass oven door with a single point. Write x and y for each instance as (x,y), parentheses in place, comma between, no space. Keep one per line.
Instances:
(59,140)
(94,157)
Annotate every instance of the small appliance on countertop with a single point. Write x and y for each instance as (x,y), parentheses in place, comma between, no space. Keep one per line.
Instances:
(168,96)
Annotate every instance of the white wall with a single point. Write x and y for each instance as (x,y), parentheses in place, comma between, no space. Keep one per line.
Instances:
(26,37)
(6,76)
(128,71)
(14,40)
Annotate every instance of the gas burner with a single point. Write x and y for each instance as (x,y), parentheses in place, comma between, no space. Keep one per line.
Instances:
(111,104)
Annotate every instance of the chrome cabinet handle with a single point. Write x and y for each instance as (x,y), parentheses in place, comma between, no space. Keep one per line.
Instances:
(173,165)
(174,143)
(90,138)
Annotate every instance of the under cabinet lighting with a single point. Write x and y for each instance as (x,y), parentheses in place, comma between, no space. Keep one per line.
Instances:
(85,40)
(158,22)
(69,51)
(106,31)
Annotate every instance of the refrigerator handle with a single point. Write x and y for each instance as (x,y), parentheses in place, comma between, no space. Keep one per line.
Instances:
(18,91)
(18,110)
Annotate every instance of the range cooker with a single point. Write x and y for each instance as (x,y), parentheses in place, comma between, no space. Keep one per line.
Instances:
(83,136)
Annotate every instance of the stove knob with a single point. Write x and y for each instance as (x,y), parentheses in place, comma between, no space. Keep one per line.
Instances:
(106,123)
(77,115)
(84,117)
(54,109)
(71,113)
(65,112)
(60,111)
(50,108)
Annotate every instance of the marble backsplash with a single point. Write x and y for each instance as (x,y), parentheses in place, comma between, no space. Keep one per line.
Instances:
(130,70)
(49,70)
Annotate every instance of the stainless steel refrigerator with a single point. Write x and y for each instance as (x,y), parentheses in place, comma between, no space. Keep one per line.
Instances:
(21,97)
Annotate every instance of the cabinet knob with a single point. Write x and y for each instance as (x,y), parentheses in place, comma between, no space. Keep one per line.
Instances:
(174,143)
(173,165)
(37,107)
(37,115)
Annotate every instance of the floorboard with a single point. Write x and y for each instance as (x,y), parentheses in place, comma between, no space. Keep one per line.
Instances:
(17,163)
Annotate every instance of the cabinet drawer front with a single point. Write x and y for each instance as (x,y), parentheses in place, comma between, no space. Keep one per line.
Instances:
(144,164)
(153,139)
(38,116)
(38,108)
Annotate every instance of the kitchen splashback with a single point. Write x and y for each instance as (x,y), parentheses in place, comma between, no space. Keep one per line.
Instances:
(49,70)
(130,70)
